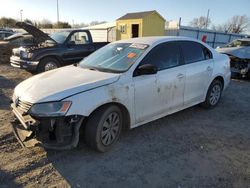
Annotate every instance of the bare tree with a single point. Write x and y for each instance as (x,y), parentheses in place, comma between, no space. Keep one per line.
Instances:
(237,24)
(7,22)
(45,23)
(96,22)
(200,22)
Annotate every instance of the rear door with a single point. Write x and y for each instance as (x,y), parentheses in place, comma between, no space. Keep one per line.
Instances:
(199,68)
(78,47)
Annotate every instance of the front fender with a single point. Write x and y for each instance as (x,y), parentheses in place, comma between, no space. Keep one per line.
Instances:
(86,102)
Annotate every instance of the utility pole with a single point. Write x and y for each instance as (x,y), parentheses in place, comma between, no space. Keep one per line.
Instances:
(21,15)
(57,6)
(207,18)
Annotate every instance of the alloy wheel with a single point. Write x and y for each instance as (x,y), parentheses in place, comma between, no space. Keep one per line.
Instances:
(50,66)
(215,94)
(110,128)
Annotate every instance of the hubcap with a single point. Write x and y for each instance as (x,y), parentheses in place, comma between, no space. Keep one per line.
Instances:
(215,94)
(50,66)
(110,128)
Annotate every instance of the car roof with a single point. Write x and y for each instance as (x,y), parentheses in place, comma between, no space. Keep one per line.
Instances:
(7,32)
(244,39)
(155,40)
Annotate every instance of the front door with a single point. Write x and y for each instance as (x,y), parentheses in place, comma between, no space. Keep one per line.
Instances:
(161,93)
(135,30)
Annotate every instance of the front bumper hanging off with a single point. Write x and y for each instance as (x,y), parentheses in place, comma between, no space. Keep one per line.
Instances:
(17,62)
(51,133)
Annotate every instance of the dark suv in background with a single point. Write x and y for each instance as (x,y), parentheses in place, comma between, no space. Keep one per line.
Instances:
(53,51)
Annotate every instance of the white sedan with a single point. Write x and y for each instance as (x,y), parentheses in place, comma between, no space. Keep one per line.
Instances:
(123,85)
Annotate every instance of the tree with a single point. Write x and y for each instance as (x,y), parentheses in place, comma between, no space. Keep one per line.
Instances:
(61,25)
(96,23)
(237,24)
(200,22)
(7,22)
(81,25)
(45,23)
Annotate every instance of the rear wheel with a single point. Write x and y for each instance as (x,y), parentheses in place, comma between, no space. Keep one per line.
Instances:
(213,94)
(103,128)
(48,63)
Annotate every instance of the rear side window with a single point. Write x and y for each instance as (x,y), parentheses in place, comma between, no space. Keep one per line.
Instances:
(164,56)
(193,52)
(207,53)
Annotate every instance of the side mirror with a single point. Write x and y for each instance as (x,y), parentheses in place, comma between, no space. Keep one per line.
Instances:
(146,69)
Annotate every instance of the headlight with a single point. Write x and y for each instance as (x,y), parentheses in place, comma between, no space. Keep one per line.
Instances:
(26,55)
(50,109)
(30,55)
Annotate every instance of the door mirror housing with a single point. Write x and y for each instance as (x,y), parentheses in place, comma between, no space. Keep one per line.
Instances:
(146,69)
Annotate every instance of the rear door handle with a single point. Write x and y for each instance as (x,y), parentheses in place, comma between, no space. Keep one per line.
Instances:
(180,76)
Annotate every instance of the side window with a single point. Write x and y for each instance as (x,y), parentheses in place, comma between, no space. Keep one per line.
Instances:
(207,53)
(164,56)
(192,51)
(79,38)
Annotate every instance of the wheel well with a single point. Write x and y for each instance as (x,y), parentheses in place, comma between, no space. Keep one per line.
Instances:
(125,113)
(52,56)
(221,79)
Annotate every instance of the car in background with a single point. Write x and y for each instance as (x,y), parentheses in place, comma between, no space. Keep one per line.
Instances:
(21,39)
(239,53)
(4,34)
(122,85)
(59,49)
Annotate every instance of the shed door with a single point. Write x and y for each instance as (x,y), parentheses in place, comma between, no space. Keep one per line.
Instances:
(135,30)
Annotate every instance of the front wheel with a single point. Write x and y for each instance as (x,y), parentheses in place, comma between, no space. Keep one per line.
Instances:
(213,94)
(103,128)
(48,63)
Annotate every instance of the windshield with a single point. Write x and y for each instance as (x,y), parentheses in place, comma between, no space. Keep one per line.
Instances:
(60,37)
(115,57)
(238,43)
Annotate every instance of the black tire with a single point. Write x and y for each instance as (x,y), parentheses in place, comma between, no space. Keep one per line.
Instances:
(214,86)
(44,62)
(96,128)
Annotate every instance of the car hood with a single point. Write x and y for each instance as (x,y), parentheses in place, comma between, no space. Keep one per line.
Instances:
(38,35)
(240,52)
(61,83)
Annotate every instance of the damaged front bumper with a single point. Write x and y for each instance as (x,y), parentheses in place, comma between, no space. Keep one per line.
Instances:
(51,133)
(17,62)
(239,66)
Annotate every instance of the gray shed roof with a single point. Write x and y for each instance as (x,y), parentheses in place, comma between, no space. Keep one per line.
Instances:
(137,15)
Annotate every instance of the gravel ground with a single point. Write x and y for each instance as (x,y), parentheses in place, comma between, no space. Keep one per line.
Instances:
(192,148)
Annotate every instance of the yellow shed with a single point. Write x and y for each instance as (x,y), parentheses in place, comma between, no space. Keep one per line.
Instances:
(140,24)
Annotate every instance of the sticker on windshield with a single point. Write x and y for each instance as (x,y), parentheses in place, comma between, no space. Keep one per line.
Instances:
(131,55)
(139,46)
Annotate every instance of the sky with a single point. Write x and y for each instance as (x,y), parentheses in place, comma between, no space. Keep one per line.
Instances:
(109,10)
